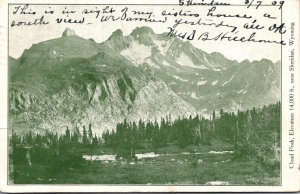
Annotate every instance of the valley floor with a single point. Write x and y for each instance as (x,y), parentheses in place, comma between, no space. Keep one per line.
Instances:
(193,165)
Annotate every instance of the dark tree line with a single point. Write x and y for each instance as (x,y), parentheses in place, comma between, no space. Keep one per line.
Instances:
(51,139)
(57,152)
(254,133)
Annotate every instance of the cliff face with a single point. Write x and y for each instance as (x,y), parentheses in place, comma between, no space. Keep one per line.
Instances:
(103,103)
(57,90)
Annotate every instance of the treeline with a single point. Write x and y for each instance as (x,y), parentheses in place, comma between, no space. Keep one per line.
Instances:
(55,151)
(254,133)
(51,139)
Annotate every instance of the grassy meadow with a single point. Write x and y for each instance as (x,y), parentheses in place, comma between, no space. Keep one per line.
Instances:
(188,166)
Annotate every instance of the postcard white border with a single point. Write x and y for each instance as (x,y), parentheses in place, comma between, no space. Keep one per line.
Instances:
(290,177)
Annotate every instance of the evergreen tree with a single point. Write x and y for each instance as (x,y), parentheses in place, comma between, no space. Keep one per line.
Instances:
(90,133)
(67,137)
(95,140)
(76,138)
(84,136)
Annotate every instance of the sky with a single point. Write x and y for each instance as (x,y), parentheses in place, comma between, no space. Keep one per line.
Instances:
(22,37)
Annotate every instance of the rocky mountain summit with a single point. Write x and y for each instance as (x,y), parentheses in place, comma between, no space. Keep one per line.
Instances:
(69,32)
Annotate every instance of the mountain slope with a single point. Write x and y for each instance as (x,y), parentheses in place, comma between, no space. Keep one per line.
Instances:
(206,81)
(103,89)
(71,81)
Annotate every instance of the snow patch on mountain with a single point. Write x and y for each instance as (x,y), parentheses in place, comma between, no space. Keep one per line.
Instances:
(163,46)
(179,78)
(240,91)
(136,53)
(214,82)
(205,59)
(151,63)
(217,69)
(202,82)
(228,80)
(194,95)
(165,63)
(185,61)
(243,91)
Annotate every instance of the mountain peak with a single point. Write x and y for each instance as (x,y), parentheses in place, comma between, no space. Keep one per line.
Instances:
(68,32)
(116,33)
(142,30)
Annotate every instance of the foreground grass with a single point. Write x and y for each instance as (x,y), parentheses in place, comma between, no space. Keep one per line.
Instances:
(170,168)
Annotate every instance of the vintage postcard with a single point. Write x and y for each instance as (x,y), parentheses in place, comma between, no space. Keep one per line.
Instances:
(168,96)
